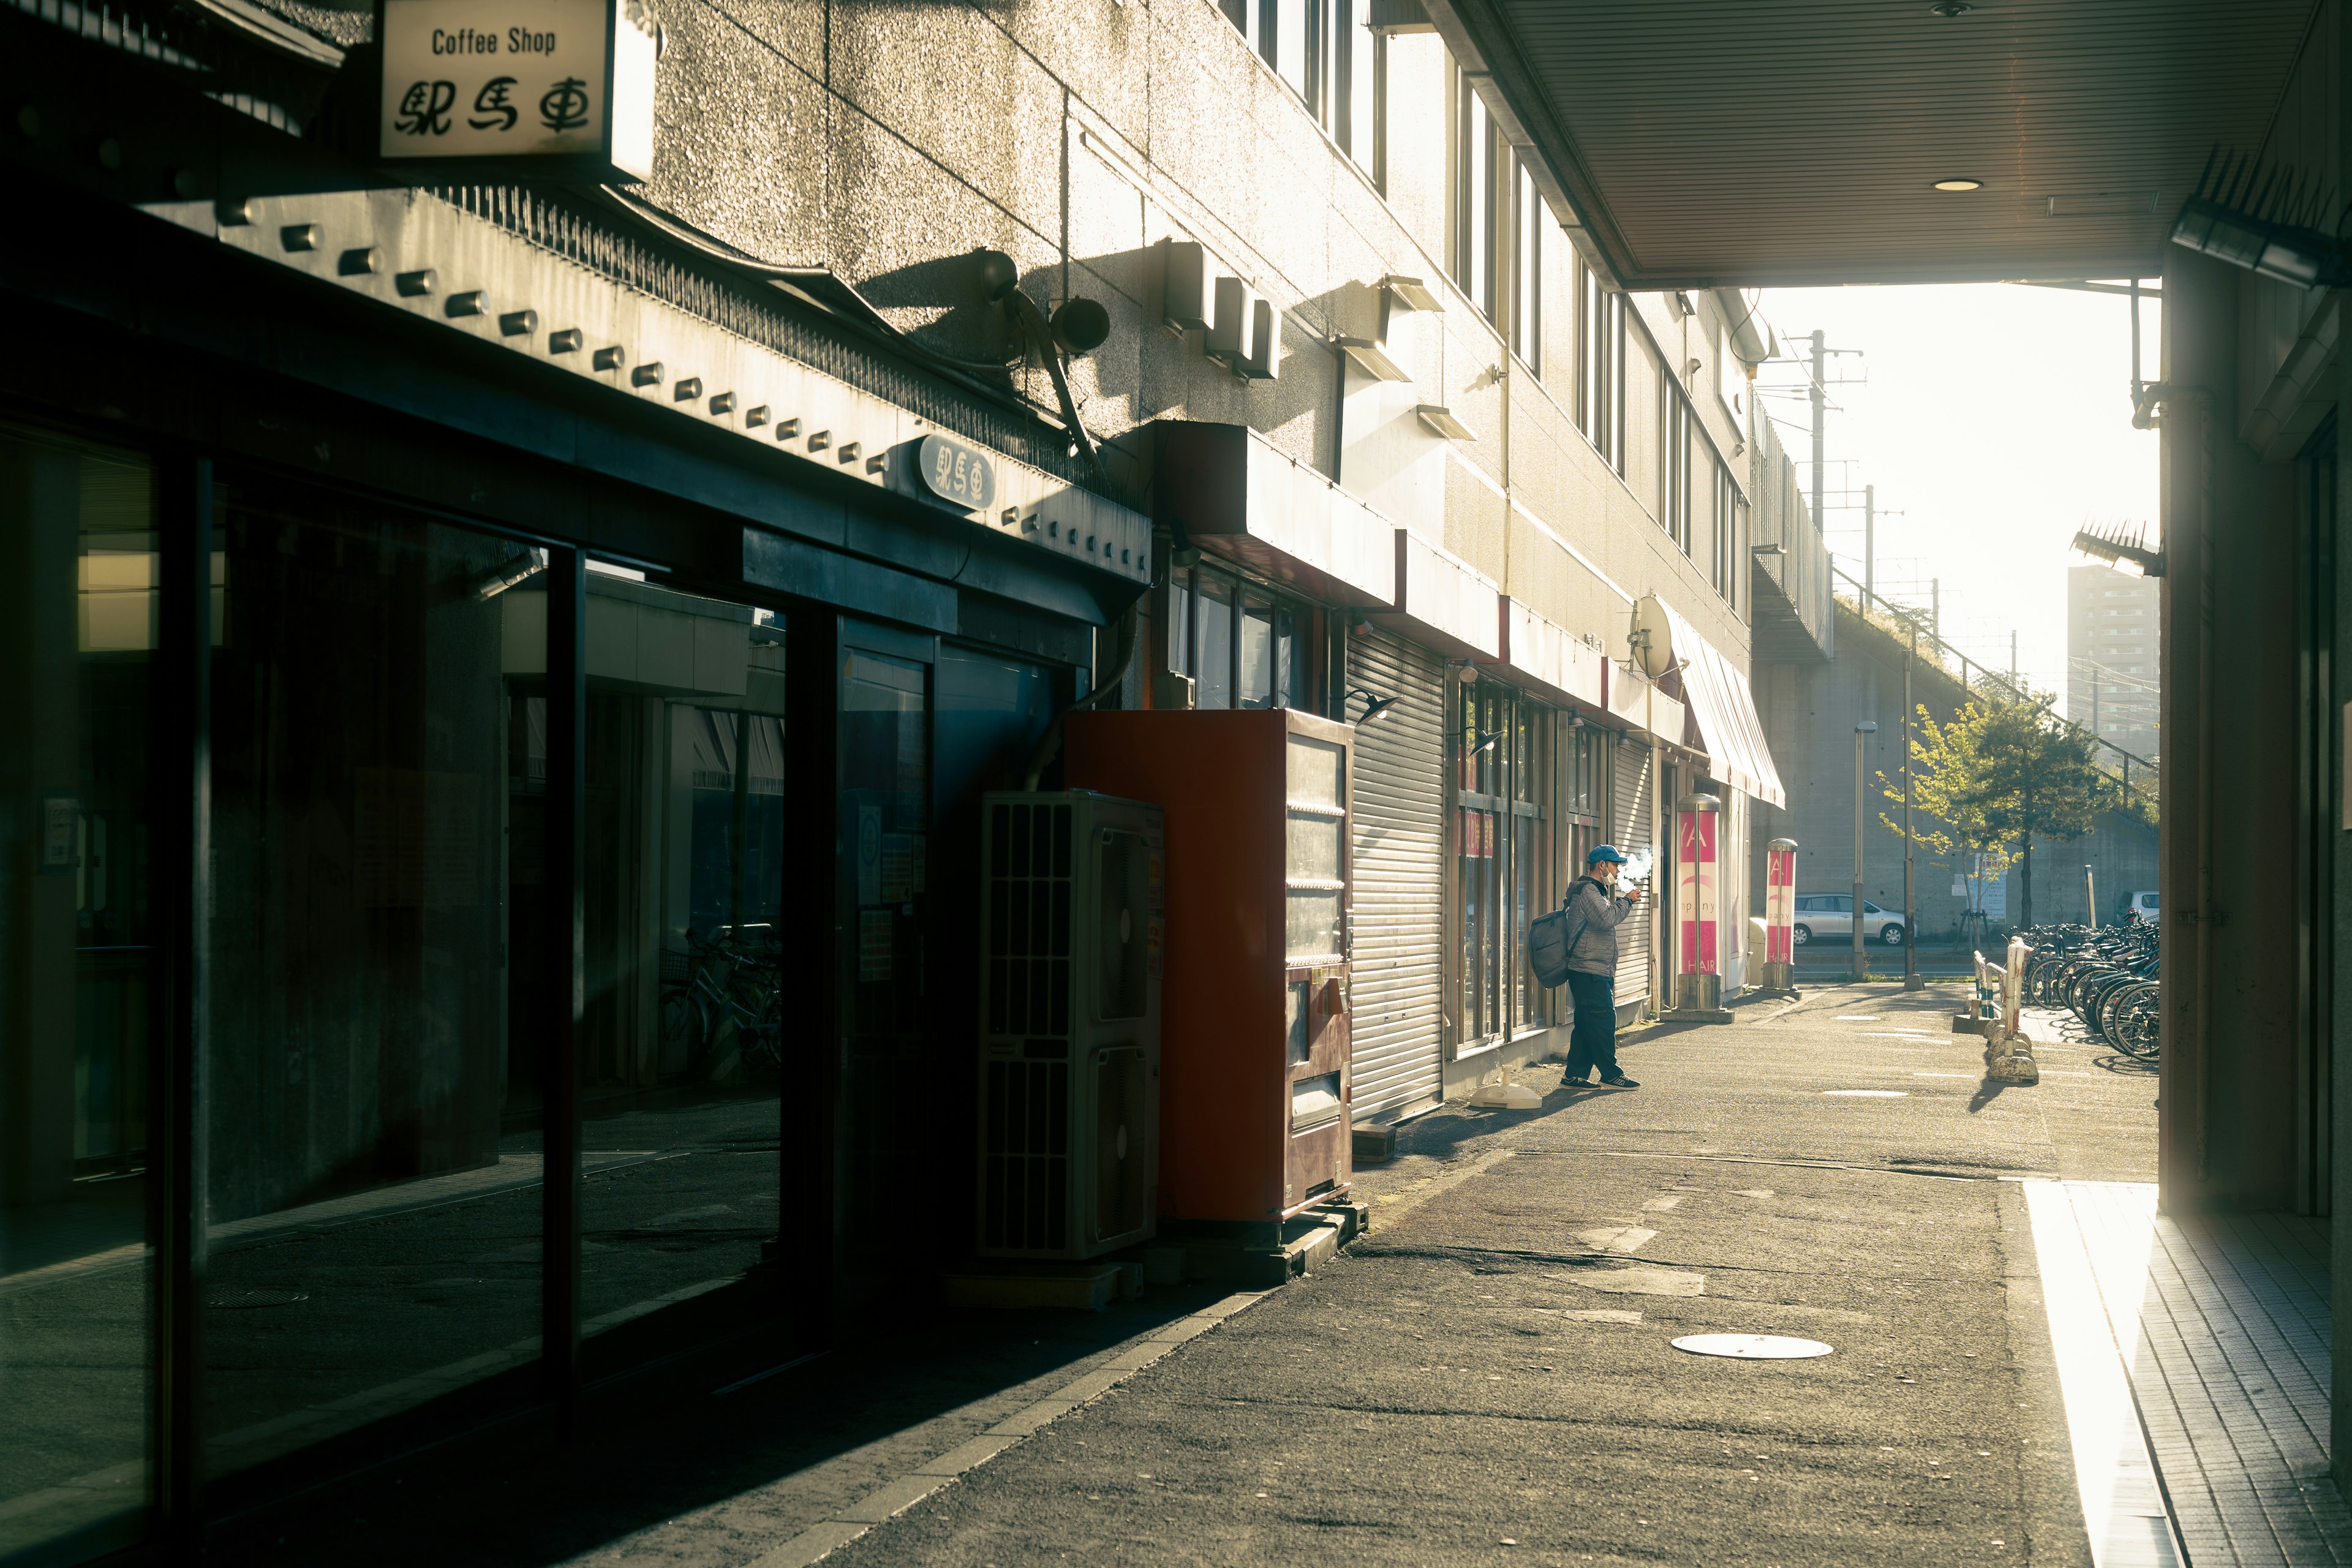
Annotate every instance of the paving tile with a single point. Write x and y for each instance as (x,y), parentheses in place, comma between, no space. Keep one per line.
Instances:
(2229,1329)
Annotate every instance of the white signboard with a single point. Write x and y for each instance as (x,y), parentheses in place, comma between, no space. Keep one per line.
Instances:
(519,79)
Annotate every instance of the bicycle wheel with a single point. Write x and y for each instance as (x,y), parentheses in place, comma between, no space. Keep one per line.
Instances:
(2139,1017)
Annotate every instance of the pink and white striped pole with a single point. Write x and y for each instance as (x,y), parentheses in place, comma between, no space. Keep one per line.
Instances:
(1781,916)
(1698,905)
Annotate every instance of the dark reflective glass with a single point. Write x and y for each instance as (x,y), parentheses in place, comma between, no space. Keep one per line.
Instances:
(686,1018)
(78,610)
(374,1171)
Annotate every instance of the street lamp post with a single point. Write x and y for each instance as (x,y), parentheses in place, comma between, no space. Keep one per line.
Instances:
(1867,727)
(1911,981)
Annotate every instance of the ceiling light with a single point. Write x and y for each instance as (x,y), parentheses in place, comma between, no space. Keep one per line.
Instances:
(1948,9)
(1959,184)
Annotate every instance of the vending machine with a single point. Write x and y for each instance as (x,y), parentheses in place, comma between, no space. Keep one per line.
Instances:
(1255,1055)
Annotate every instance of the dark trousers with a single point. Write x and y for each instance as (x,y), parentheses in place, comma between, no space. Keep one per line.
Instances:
(1593,1042)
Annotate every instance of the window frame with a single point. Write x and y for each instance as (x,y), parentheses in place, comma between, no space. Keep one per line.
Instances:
(1509,798)
(1180,651)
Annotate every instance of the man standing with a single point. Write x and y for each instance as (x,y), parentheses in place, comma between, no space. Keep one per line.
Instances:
(1595,910)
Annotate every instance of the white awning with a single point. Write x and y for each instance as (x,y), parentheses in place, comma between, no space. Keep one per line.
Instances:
(1728,724)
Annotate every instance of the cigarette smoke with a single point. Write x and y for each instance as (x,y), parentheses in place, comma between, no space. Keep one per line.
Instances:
(1637,867)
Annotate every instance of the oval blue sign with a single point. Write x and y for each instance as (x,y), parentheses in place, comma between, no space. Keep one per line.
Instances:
(955,473)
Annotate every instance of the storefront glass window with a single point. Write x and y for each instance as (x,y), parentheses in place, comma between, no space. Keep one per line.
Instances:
(373,1200)
(78,556)
(1505,808)
(687,1026)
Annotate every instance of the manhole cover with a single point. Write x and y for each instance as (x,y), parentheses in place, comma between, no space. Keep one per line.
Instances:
(1753,1347)
(239,1299)
(1872,1093)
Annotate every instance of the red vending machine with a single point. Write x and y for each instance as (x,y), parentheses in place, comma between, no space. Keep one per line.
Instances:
(1255,1052)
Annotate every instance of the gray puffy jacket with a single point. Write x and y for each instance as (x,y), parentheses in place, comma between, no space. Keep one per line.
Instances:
(1594,915)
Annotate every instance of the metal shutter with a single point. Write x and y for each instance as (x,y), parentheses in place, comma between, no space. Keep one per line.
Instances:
(1629,821)
(1399,845)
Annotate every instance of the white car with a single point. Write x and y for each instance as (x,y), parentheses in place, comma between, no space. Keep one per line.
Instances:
(2140,907)
(1829,917)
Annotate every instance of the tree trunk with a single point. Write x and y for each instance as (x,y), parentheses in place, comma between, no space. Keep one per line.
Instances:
(2025,890)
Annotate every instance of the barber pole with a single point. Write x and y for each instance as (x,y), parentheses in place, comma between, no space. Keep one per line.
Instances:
(1698,910)
(1780,917)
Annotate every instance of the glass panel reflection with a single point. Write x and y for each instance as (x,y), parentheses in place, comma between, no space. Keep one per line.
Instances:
(686,1023)
(885,841)
(1212,644)
(77,630)
(374,1206)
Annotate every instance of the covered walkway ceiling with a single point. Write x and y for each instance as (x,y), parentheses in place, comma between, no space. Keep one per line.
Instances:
(1795,142)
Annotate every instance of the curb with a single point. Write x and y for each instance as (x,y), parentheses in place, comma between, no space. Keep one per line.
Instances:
(895,1497)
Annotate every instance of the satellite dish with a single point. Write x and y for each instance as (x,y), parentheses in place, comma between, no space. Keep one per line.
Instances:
(1654,636)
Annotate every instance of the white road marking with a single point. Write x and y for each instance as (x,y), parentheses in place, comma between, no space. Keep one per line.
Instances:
(1872,1093)
(1616,1237)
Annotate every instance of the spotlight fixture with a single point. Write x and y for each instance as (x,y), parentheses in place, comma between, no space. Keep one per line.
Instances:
(2262,220)
(1374,704)
(1948,9)
(1485,739)
(1958,183)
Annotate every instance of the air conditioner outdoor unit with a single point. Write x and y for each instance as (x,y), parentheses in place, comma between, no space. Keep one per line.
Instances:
(1071,930)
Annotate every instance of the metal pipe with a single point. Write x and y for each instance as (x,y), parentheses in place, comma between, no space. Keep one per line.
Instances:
(1911,981)
(1867,727)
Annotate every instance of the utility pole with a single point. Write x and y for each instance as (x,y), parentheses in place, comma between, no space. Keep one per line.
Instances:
(1911,981)
(2013,658)
(1821,403)
(1869,541)
(1861,965)
(1936,606)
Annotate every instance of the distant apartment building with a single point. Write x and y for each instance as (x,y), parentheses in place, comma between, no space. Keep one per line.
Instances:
(2111,658)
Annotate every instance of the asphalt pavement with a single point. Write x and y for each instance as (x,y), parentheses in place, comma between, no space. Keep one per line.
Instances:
(1487,1377)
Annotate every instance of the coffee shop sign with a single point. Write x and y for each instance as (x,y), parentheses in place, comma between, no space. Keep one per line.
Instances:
(532,81)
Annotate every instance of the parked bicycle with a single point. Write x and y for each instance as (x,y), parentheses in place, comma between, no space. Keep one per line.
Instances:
(722,1007)
(2109,979)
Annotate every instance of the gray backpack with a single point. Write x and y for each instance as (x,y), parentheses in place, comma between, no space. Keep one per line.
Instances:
(1552,937)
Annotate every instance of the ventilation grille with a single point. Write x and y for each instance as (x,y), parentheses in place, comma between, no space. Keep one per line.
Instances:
(1122,1133)
(1025,1174)
(1029,920)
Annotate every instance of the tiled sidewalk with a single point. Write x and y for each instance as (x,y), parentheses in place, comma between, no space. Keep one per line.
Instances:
(2219,1327)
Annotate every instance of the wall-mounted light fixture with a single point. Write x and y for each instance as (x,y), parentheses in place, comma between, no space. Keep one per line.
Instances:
(1374,704)
(2262,221)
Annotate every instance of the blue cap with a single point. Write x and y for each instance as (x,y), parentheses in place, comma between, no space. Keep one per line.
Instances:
(1605,852)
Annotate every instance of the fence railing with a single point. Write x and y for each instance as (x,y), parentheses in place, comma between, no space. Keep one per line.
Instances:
(1905,621)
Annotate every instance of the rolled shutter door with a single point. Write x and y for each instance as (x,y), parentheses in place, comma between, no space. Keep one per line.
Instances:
(1399,854)
(1629,823)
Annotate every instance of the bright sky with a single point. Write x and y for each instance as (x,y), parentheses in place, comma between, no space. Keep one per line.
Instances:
(1995,420)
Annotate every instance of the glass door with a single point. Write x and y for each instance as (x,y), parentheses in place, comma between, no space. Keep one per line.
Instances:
(883,837)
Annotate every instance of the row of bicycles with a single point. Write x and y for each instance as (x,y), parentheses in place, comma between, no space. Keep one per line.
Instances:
(2106,977)
(722,1007)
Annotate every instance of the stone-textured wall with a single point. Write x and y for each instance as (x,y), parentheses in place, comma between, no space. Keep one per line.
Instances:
(888,140)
